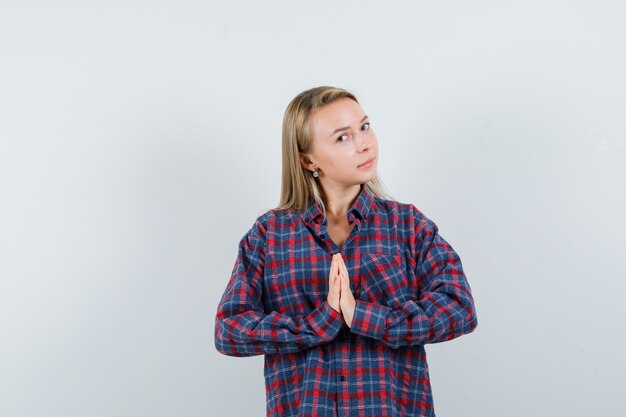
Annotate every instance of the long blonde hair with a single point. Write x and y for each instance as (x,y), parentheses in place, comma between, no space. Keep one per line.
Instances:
(299,187)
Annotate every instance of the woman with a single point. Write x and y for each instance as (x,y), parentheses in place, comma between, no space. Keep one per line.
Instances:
(340,287)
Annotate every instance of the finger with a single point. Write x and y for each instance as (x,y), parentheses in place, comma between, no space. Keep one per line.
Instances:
(345,280)
(337,292)
(340,261)
(342,278)
(344,269)
(339,288)
(343,266)
(337,295)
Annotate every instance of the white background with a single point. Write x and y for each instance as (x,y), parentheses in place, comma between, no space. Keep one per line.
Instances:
(140,140)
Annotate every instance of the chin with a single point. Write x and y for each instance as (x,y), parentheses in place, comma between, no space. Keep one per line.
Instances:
(369,177)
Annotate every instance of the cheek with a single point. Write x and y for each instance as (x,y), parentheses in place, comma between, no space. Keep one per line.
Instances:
(345,158)
(329,159)
(339,157)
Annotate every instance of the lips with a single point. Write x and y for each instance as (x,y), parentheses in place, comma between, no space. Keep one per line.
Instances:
(366,162)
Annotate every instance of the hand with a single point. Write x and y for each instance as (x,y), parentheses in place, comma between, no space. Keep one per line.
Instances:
(346,299)
(334,285)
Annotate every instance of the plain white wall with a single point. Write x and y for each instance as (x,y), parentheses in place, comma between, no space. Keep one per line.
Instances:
(140,140)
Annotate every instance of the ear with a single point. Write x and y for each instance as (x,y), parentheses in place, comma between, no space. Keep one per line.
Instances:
(306,162)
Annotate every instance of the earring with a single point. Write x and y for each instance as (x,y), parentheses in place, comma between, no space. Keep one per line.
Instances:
(315,174)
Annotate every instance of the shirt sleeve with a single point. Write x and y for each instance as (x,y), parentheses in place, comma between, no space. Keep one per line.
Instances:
(443,308)
(242,328)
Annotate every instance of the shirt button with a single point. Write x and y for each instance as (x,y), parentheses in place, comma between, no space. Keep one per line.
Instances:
(342,378)
(323,236)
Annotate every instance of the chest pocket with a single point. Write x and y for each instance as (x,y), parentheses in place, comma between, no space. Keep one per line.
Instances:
(383,279)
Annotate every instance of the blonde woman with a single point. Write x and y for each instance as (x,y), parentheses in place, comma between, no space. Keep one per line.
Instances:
(340,286)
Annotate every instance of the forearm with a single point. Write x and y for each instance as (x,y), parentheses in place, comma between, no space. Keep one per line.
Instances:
(435,318)
(254,333)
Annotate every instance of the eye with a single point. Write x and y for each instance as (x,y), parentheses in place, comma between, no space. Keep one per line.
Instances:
(339,138)
(366,124)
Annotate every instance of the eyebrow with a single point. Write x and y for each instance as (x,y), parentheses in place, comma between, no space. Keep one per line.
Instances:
(346,127)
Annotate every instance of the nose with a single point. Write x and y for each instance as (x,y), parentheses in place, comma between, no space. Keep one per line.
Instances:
(361,144)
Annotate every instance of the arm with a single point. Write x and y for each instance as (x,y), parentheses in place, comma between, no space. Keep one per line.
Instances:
(445,307)
(241,326)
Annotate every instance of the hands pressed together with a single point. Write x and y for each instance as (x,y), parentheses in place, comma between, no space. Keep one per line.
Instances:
(340,297)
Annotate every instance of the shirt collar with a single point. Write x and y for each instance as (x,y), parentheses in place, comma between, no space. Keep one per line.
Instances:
(359,209)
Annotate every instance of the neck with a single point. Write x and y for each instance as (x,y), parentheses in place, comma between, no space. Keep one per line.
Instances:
(339,200)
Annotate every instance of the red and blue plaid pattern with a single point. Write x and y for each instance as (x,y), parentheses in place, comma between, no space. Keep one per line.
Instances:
(410,290)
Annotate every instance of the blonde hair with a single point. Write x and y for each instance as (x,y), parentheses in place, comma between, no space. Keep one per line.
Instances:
(299,187)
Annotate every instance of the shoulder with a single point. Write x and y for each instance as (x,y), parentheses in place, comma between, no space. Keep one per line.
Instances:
(271,221)
(404,215)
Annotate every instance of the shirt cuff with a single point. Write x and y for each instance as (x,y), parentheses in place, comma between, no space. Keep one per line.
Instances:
(369,319)
(325,321)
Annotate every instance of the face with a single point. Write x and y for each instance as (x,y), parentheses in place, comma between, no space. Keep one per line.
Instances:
(342,140)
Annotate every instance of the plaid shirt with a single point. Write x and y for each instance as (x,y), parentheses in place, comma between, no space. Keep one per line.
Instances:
(410,289)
